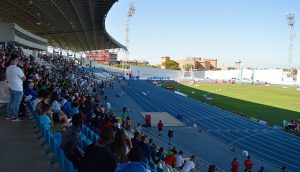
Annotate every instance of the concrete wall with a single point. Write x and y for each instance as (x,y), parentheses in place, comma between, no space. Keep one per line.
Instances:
(199,74)
(273,76)
(7,35)
(145,73)
(29,33)
(29,43)
(222,75)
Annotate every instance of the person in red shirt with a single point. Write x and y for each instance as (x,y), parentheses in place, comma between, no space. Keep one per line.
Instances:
(160,126)
(171,159)
(248,164)
(234,165)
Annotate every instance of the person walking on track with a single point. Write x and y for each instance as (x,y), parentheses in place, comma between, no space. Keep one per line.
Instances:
(160,127)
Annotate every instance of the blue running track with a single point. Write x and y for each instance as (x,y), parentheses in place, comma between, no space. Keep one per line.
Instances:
(273,146)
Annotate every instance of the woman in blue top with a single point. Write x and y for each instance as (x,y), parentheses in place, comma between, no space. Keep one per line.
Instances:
(46,116)
(67,106)
(74,109)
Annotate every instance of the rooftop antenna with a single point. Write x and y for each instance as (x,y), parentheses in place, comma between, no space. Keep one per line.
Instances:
(290,18)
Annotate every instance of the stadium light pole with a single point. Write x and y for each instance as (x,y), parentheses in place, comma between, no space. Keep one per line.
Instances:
(290,18)
(130,14)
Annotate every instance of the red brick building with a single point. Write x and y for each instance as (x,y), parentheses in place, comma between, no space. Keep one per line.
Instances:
(104,57)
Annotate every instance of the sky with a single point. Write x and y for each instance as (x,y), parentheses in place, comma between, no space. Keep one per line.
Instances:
(254,31)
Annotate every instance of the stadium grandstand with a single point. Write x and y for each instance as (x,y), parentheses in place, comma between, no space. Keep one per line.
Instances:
(60,115)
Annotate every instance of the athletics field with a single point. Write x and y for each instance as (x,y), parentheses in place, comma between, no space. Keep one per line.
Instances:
(270,103)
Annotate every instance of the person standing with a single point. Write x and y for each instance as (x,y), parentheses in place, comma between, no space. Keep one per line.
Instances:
(234,165)
(15,77)
(248,164)
(160,126)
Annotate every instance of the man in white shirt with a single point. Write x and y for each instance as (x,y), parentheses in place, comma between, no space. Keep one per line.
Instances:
(179,160)
(15,78)
(189,165)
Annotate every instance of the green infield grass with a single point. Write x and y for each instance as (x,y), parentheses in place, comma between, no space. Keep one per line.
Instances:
(270,103)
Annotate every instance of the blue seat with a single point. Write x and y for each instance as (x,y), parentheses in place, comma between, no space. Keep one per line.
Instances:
(60,156)
(152,166)
(89,134)
(145,161)
(95,138)
(82,138)
(68,165)
(84,129)
(42,128)
(48,136)
(85,144)
(159,169)
(55,140)
(36,117)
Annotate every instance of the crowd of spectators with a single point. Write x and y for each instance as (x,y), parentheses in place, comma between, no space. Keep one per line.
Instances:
(292,125)
(61,91)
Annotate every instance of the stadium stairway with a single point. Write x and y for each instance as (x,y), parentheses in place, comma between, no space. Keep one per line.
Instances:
(21,148)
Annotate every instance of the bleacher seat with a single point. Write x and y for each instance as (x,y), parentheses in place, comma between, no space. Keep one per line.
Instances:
(82,138)
(145,161)
(68,166)
(152,166)
(95,137)
(84,129)
(85,144)
(166,169)
(159,169)
(55,140)
(60,156)
(89,134)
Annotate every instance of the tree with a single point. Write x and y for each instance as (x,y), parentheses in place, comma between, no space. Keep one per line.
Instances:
(148,65)
(187,67)
(171,64)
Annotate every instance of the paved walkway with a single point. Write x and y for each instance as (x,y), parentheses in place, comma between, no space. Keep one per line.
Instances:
(20,149)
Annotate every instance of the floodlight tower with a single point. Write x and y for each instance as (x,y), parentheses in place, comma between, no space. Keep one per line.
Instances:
(290,18)
(130,14)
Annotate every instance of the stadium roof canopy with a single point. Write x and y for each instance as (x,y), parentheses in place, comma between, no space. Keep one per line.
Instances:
(77,25)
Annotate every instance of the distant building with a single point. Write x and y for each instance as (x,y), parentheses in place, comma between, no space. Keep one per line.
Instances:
(238,64)
(198,64)
(104,57)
